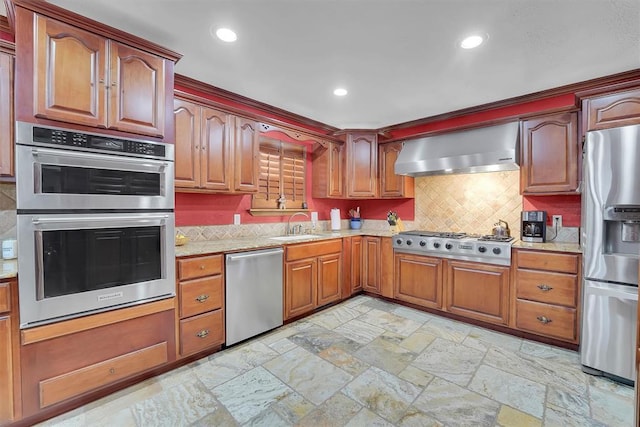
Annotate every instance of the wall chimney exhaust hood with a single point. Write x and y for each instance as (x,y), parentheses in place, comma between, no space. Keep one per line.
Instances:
(488,149)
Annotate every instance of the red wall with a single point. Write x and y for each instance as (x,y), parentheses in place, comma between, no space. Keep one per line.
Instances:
(567,206)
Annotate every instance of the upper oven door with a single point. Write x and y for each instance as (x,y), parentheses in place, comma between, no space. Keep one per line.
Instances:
(50,178)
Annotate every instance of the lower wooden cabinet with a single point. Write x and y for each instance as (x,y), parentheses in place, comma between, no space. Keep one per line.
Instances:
(356,264)
(371,264)
(200,303)
(312,276)
(61,363)
(547,294)
(478,291)
(9,353)
(418,280)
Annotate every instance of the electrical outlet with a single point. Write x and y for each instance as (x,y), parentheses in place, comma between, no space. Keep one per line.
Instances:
(557,221)
(236,219)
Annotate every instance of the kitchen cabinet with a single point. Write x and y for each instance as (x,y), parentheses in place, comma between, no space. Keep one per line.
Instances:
(9,353)
(419,280)
(392,185)
(612,110)
(328,170)
(550,154)
(215,151)
(371,264)
(312,276)
(74,360)
(547,293)
(82,72)
(352,255)
(6,116)
(478,291)
(362,165)
(200,303)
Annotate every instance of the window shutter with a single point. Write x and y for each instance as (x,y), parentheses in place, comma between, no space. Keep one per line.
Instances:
(282,171)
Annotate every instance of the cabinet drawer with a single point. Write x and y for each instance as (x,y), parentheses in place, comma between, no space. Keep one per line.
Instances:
(546,319)
(5,304)
(200,295)
(544,286)
(192,268)
(551,261)
(57,389)
(201,332)
(312,250)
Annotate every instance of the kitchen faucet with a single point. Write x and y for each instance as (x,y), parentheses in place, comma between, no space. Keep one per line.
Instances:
(289,231)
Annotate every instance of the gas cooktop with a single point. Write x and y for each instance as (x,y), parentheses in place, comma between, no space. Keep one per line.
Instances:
(454,245)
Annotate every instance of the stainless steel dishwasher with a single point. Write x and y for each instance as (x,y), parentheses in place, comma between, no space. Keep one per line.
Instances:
(253,289)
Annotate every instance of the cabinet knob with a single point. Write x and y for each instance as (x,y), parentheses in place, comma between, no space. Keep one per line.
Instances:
(203,333)
(545,288)
(202,298)
(112,371)
(544,319)
(202,267)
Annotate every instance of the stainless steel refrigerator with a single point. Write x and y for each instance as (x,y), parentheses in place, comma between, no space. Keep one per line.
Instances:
(610,239)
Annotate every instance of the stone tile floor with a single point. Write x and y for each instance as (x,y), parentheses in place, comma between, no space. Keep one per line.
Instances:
(367,362)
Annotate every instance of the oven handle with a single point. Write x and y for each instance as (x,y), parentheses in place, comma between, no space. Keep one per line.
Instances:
(120,160)
(148,218)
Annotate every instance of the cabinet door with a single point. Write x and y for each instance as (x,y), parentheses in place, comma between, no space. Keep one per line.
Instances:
(478,291)
(246,152)
(329,274)
(70,69)
(187,144)
(418,280)
(362,165)
(6,371)
(336,170)
(300,284)
(137,91)
(356,264)
(6,115)
(392,185)
(216,150)
(550,154)
(371,264)
(613,110)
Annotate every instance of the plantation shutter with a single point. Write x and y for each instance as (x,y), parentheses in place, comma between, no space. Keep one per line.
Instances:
(282,171)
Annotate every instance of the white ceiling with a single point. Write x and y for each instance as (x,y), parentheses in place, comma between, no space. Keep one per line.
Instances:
(398,58)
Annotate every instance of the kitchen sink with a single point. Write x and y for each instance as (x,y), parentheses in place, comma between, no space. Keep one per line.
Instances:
(294,237)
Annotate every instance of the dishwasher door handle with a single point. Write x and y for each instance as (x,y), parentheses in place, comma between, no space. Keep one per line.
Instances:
(255,254)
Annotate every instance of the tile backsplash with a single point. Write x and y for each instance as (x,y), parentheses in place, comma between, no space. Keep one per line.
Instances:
(470,203)
(7,211)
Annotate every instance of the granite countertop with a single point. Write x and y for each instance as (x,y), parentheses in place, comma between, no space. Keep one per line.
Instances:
(254,243)
(549,246)
(9,268)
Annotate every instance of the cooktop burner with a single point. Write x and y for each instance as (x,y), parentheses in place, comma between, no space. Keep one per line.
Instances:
(455,245)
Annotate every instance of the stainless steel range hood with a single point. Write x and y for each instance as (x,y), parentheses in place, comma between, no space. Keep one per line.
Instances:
(488,149)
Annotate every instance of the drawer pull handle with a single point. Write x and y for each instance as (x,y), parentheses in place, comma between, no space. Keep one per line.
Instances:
(544,319)
(202,298)
(545,288)
(203,333)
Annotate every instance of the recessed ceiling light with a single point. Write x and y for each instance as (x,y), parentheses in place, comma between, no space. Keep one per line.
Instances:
(226,35)
(472,41)
(340,91)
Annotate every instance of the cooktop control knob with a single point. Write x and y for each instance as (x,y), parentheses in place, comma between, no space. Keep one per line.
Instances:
(436,245)
(398,241)
(448,246)
(482,249)
(496,251)
(423,243)
(409,242)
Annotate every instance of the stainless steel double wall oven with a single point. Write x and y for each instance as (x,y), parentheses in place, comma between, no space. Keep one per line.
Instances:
(95,222)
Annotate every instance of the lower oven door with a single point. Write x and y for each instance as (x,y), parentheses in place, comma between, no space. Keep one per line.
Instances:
(72,265)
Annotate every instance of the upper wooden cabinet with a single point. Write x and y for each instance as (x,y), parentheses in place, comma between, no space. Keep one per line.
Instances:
(362,165)
(328,171)
(549,154)
(76,73)
(392,185)
(612,110)
(215,151)
(6,116)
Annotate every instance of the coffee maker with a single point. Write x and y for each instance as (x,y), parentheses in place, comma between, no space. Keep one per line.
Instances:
(534,226)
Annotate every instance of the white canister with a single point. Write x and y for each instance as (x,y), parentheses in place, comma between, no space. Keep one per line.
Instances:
(9,249)
(335,219)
